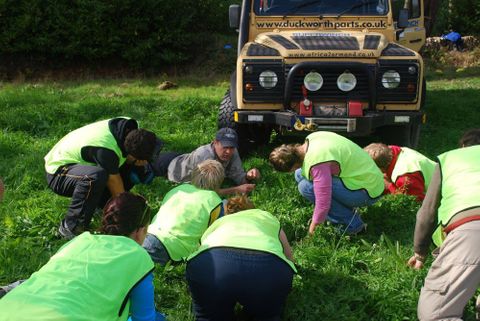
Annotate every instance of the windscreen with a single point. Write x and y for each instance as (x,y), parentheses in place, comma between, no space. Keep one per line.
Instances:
(321,7)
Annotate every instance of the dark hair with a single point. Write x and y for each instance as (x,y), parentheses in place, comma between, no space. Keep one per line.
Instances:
(124,214)
(470,138)
(140,143)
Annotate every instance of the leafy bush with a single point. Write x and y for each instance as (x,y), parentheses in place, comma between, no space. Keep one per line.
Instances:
(140,33)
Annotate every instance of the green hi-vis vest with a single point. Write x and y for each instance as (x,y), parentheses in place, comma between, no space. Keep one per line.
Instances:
(68,149)
(89,278)
(460,170)
(185,214)
(411,161)
(251,229)
(357,169)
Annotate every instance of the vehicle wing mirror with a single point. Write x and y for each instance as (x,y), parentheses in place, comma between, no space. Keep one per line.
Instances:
(403,18)
(234,16)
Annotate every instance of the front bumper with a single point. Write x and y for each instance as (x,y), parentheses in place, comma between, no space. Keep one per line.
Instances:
(353,126)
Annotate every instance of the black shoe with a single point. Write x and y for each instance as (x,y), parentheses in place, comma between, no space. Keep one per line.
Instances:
(66,233)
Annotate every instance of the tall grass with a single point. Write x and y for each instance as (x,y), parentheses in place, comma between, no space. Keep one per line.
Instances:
(340,277)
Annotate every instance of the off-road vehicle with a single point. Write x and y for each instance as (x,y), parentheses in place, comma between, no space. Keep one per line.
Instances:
(349,66)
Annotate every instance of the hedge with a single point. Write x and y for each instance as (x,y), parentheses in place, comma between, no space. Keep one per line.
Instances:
(139,32)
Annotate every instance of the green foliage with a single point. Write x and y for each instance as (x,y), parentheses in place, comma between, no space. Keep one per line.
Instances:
(340,277)
(145,33)
(462,16)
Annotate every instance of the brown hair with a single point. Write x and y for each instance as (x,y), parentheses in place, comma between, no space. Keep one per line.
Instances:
(381,154)
(238,203)
(209,174)
(125,213)
(470,138)
(284,157)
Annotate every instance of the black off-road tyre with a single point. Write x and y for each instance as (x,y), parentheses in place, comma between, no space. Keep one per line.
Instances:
(250,136)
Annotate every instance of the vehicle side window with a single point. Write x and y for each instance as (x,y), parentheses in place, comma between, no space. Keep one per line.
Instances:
(413,8)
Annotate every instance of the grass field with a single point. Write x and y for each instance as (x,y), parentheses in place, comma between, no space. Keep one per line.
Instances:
(340,277)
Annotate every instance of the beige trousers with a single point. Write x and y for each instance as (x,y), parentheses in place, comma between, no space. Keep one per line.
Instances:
(453,277)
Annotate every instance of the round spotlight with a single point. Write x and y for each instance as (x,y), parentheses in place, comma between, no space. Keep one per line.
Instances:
(346,81)
(412,70)
(313,81)
(268,79)
(391,79)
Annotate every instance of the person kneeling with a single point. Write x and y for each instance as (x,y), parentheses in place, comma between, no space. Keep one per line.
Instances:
(93,277)
(245,258)
(186,212)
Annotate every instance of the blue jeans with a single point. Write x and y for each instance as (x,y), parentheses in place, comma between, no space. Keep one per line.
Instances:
(220,277)
(343,203)
(156,249)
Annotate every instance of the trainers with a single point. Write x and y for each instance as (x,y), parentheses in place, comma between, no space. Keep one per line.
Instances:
(7,288)
(362,229)
(66,233)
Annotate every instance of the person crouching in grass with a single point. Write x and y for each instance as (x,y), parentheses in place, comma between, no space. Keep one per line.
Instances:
(186,212)
(105,276)
(333,173)
(405,171)
(243,257)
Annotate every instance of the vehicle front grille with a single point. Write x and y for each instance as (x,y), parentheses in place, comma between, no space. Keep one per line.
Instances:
(330,90)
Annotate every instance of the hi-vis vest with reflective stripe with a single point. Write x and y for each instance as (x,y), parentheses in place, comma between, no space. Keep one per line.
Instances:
(185,214)
(251,229)
(89,278)
(357,169)
(460,170)
(411,161)
(68,149)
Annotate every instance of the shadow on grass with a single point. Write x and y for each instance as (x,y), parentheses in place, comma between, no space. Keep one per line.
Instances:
(392,215)
(318,295)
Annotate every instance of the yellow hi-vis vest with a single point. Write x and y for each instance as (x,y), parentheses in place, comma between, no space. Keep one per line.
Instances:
(68,149)
(185,214)
(411,161)
(357,169)
(89,278)
(460,170)
(251,229)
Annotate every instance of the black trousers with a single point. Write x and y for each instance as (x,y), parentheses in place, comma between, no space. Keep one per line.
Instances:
(161,162)
(87,186)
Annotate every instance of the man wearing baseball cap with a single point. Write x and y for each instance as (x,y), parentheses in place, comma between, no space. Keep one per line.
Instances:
(178,167)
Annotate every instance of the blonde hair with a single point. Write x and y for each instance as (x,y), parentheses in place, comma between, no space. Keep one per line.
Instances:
(238,203)
(209,175)
(284,157)
(381,154)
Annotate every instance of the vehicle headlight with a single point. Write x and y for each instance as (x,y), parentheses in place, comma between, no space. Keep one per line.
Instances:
(313,81)
(268,79)
(346,81)
(391,79)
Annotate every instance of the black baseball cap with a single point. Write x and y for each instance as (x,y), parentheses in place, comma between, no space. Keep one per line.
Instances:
(227,137)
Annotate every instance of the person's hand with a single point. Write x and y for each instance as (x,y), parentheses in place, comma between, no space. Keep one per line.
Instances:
(416,261)
(312,227)
(252,174)
(245,188)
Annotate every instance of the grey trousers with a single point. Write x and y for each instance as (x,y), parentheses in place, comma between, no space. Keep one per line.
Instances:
(453,277)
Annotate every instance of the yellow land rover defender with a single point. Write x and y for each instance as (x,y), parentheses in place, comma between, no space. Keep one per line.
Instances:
(349,66)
